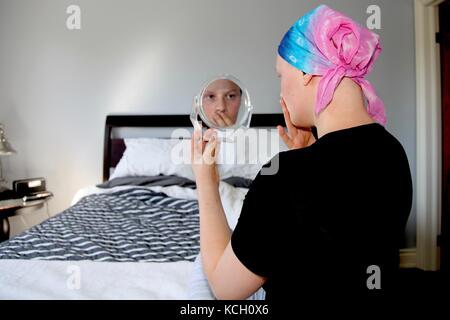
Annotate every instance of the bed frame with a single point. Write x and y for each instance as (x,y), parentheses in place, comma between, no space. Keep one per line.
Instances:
(115,146)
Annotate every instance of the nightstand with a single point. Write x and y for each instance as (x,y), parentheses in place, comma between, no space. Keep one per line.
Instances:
(18,209)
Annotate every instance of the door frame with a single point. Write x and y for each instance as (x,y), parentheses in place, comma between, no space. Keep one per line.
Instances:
(428,134)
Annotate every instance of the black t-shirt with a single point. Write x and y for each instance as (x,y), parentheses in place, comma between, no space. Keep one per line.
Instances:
(332,210)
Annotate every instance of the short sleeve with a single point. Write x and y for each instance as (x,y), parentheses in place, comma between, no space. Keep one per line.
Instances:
(255,236)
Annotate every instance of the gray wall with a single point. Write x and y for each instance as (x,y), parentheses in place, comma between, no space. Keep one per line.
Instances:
(136,56)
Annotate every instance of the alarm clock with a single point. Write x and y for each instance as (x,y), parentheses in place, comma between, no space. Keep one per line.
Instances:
(28,187)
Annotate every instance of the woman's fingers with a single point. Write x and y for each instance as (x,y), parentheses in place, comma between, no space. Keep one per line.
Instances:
(196,145)
(204,146)
(209,134)
(287,117)
(219,121)
(287,140)
(226,119)
(222,120)
(214,121)
(210,152)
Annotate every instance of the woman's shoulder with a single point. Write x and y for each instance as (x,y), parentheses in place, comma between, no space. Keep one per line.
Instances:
(294,156)
(286,162)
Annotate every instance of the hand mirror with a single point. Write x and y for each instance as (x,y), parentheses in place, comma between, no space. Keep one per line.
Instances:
(223,103)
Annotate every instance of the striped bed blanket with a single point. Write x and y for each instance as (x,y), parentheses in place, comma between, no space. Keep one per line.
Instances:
(132,225)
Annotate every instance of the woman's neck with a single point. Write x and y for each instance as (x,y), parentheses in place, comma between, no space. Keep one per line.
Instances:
(346,110)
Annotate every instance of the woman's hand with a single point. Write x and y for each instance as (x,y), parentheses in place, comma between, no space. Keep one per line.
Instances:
(222,120)
(295,138)
(204,149)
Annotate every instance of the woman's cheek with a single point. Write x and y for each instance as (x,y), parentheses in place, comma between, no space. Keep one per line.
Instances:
(286,90)
(233,108)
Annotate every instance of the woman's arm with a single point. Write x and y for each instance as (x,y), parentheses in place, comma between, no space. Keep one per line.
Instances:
(215,233)
(227,276)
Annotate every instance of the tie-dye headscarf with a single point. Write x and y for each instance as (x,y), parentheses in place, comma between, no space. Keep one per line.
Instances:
(327,43)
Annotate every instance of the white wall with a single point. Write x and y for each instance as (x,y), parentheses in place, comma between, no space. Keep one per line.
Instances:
(136,56)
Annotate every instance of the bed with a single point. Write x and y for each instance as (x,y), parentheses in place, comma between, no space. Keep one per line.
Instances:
(133,236)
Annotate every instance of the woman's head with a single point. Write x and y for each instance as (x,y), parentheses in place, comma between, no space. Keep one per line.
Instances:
(315,55)
(221,101)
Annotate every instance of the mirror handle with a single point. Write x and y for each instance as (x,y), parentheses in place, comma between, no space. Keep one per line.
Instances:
(194,114)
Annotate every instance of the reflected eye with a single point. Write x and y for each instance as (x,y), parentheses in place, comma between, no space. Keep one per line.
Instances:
(209,97)
(232,96)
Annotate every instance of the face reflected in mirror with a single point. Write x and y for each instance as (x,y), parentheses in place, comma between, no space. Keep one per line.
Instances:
(221,101)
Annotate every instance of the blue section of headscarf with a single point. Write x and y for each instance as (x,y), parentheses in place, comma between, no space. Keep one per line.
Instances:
(296,48)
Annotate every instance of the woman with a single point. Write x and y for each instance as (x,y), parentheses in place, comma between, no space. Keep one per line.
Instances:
(335,211)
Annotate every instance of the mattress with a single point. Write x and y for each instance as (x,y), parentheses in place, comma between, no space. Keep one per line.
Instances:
(124,242)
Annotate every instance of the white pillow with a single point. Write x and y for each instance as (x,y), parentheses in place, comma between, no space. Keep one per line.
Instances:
(153,156)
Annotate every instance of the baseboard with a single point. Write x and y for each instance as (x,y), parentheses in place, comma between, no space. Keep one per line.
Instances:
(408,258)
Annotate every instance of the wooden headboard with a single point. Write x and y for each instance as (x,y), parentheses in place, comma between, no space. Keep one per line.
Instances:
(114,147)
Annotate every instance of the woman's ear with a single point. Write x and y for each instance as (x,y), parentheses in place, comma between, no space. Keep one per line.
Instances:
(307,78)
